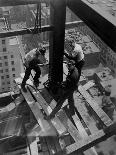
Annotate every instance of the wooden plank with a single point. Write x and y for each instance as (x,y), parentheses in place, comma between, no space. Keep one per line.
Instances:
(89,85)
(69,126)
(55,121)
(90,123)
(84,135)
(102,115)
(45,127)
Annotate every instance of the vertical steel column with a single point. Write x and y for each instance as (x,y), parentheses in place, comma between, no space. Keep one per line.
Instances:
(57,19)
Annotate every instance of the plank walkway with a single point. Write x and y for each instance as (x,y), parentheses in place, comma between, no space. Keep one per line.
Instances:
(35,108)
(55,121)
(75,133)
(62,125)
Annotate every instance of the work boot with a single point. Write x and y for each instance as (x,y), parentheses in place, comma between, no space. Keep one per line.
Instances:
(23,88)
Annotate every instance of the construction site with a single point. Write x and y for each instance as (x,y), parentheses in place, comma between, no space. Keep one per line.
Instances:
(92,129)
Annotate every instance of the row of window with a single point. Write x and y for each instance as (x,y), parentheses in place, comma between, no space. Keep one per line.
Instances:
(7,76)
(6,70)
(6,57)
(6,63)
(3,83)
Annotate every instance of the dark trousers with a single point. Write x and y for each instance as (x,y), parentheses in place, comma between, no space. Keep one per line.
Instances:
(37,70)
(80,65)
(67,95)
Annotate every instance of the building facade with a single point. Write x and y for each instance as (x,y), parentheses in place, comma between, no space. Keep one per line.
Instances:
(10,62)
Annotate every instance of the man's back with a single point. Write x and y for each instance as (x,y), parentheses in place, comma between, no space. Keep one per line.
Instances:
(29,57)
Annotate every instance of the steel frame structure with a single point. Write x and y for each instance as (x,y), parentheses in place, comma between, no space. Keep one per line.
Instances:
(57,26)
(100,21)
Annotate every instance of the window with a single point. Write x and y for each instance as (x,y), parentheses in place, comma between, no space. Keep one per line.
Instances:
(13,69)
(4,49)
(8,82)
(3,41)
(12,56)
(1,71)
(3,83)
(13,75)
(0,64)
(0,58)
(6,70)
(5,57)
(2,77)
(6,63)
(7,76)
(12,62)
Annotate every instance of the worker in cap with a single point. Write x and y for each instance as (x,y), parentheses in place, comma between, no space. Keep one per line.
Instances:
(32,62)
(70,85)
(77,55)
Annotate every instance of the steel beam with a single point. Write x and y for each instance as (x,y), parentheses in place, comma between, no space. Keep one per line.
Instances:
(25,31)
(57,19)
(31,29)
(20,2)
(100,21)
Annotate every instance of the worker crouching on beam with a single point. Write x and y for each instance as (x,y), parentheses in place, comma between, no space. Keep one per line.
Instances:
(32,61)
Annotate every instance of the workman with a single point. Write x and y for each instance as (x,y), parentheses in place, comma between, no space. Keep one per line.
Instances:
(70,85)
(77,56)
(32,61)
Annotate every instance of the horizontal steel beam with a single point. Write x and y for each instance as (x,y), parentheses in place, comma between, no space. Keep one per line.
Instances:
(30,30)
(25,31)
(20,2)
(100,21)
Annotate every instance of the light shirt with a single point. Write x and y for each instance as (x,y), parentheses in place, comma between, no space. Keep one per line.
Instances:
(78,52)
(30,55)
